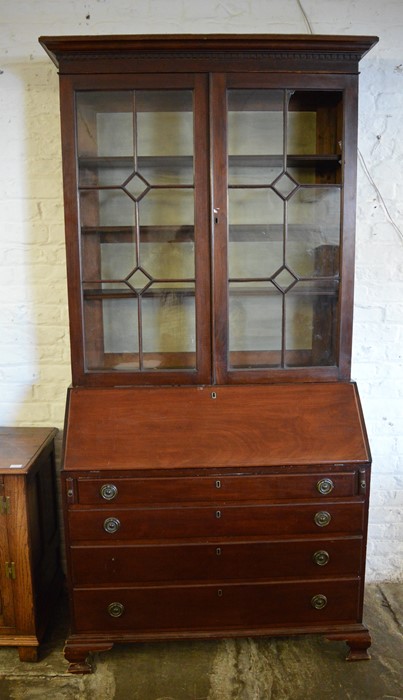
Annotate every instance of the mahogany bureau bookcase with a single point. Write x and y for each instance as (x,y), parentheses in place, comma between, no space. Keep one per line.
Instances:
(216,465)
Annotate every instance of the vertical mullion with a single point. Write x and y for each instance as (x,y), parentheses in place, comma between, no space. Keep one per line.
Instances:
(140,329)
(135,131)
(219,217)
(286,97)
(202,227)
(137,240)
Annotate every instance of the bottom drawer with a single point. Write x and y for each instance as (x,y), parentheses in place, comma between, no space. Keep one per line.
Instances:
(240,607)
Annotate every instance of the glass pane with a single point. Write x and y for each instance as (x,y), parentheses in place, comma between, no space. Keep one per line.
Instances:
(106,208)
(311,324)
(169,329)
(168,260)
(164,122)
(252,206)
(253,253)
(167,207)
(105,123)
(255,325)
(313,222)
(111,333)
(255,122)
(95,172)
(117,260)
(252,171)
(167,171)
(120,325)
(255,232)
(255,136)
(164,125)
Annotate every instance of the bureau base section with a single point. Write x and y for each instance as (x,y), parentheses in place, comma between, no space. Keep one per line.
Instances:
(109,615)
(79,646)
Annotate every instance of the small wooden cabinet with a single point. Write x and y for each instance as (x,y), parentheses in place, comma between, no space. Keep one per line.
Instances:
(30,571)
(216,466)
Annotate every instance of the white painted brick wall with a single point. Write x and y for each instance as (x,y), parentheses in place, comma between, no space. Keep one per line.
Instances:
(34,348)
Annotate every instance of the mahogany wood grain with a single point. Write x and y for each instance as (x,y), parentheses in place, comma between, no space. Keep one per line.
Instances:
(214,561)
(192,558)
(215,521)
(219,606)
(22,446)
(30,526)
(173,427)
(219,488)
(297,52)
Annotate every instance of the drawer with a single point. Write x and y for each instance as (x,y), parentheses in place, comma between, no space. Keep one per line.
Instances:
(128,564)
(245,607)
(225,521)
(272,487)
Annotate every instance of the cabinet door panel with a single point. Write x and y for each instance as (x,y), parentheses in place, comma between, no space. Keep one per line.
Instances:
(143,250)
(279,234)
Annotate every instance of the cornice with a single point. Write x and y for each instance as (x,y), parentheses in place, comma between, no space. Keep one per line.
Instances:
(214,47)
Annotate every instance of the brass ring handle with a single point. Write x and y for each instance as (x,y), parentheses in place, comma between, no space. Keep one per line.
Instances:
(319,601)
(116,609)
(325,486)
(111,525)
(321,557)
(322,518)
(108,491)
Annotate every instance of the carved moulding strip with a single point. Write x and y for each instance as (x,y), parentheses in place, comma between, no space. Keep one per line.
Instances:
(211,55)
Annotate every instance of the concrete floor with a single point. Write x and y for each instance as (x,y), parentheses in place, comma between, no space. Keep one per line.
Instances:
(244,669)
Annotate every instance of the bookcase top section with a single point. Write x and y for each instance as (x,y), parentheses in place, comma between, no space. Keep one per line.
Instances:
(214,426)
(310,52)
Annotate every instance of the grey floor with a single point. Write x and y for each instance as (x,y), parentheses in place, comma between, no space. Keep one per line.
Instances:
(245,669)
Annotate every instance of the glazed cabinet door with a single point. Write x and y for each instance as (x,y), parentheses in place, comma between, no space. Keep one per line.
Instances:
(137,211)
(281,293)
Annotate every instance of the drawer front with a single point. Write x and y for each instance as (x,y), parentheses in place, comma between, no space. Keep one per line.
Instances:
(211,607)
(128,564)
(274,487)
(225,521)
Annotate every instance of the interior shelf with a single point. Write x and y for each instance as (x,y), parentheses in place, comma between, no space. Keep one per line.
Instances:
(292,160)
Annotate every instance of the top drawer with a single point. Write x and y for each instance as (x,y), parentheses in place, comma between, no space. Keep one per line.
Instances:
(271,487)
